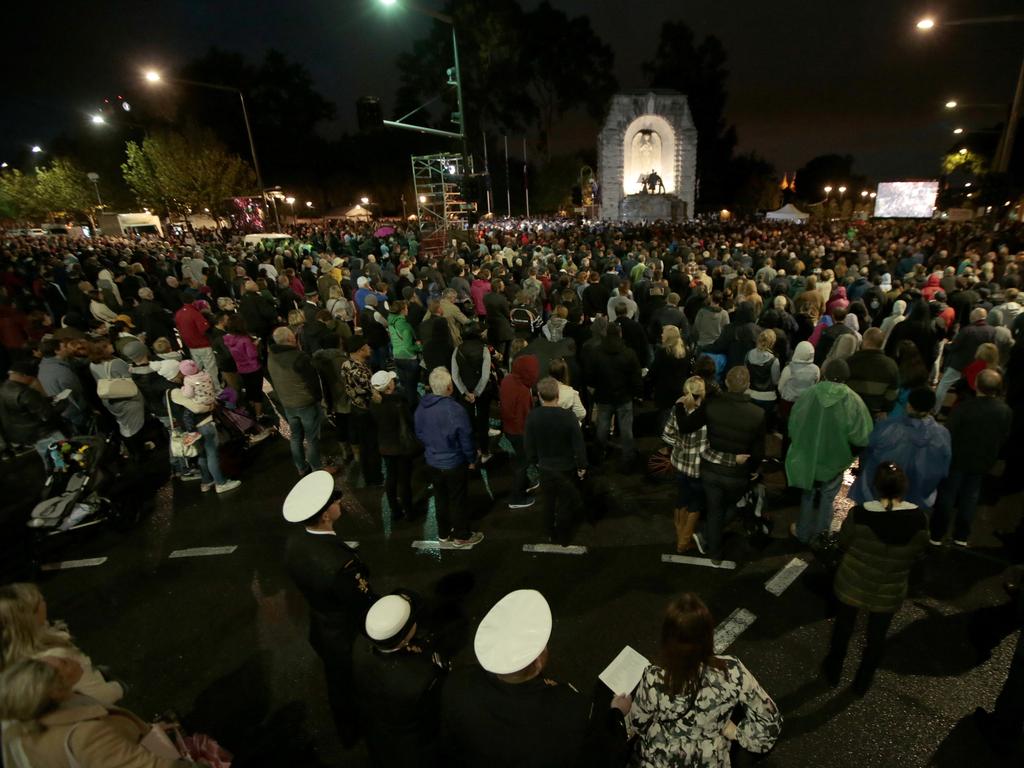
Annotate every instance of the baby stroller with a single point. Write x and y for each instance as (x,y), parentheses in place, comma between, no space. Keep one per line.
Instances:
(86,487)
(236,430)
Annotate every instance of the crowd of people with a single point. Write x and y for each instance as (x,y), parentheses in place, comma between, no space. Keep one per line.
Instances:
(892,349)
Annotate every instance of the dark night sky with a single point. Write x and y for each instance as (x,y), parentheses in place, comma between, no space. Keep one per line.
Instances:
(808,76)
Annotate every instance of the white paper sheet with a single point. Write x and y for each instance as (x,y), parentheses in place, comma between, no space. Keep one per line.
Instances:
(624,673)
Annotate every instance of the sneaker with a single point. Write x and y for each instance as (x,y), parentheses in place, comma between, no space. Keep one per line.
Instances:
(474,538)
(492,432)
(189,477)
(935,543)
(698,539)
(960,542)
(205,487)
(230,485)
(259,437)
(533,487)
(522,504)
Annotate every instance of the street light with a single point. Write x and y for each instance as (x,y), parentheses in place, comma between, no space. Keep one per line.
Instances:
(1005,147)
(958,131)
(309,203)
(967,184)
(842,191)
(828,191)
(962,150)
(872,195)
(863,193)
(364,200)
(423,198)
(98,119)
(154,76)
(36,149)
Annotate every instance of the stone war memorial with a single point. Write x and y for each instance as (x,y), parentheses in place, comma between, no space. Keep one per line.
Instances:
(647,158)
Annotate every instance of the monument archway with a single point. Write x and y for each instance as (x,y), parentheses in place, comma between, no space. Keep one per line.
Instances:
(649,144)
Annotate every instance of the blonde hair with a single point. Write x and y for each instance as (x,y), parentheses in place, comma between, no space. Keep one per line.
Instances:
(988,352)
(766,340)
(296,317)
(695,387)
(27,690)
(162,345)
(21,634)
(672,342)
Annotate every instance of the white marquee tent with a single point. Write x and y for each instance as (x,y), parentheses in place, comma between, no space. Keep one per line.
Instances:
(788,212)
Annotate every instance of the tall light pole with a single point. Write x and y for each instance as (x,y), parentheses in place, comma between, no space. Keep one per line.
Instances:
(1005,148)
(455,79)
(155,77)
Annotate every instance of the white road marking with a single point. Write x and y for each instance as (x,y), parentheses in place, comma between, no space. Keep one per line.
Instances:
(65,564)
(555,549)
(733,626)
(780,582)
(202,552)
(687,560)
(445,545)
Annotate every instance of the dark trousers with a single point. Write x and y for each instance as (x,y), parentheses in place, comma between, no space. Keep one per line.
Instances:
(874,646)
(408,371)
(561,502)
(479,417)
(520,469)
(369,454)
(398,484)
(958,494)
(721,492)
(450,501)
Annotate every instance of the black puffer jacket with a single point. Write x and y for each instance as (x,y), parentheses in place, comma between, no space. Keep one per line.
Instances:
(735,425)
(738,337)
(616,373)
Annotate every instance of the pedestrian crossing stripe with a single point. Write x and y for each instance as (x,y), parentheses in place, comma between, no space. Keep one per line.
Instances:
(735,624)
(66,564)
(555,549)
(202,552)
(780,582)
(687,560)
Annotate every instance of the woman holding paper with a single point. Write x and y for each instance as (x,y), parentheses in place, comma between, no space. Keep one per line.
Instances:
(682,708)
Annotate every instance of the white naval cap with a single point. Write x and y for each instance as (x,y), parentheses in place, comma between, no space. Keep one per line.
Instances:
(308,496)
(514,632)
(387,617)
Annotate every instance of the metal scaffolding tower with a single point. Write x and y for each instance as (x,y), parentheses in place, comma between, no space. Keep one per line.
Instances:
(440,206)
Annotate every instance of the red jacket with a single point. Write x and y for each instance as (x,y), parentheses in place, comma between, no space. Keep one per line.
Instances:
(517,394)
(192,326)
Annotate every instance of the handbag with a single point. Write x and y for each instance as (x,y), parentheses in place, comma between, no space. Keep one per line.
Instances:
(184,445)
(111,388)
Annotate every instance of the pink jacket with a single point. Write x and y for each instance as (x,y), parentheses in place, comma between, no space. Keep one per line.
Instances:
(243,350)
(478,290)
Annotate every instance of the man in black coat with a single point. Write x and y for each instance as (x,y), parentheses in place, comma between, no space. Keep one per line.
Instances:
(333,580)
(153,320)
(499,320)
(633,335)
(505,714)
(398,680)
(259,314)
(614,372)
(736,432)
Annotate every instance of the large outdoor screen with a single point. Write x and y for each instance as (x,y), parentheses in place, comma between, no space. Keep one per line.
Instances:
(906,199)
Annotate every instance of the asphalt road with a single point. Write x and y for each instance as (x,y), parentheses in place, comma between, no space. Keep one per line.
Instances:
(221,639)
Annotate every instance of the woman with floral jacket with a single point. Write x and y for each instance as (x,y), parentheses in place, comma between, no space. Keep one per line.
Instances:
(683,708)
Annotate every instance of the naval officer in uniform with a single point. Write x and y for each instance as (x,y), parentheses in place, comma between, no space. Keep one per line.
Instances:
(334,582)
(398,680)
(506,714)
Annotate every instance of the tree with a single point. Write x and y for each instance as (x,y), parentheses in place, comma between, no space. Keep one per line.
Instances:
(18,198)
(184,173)
(752,185)
(698,70)
(826,170)
(569,66)
(64,188)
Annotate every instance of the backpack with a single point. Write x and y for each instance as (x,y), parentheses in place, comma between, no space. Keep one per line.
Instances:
(524,320)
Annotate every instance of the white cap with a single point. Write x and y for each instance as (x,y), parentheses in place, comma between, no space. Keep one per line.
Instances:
(308,496)
(514,632)
(381,379)
(387,617)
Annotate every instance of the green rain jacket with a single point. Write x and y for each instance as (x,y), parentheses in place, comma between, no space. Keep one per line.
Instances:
(826,421)
(403,340)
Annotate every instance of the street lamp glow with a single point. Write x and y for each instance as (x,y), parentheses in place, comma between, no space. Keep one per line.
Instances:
(364,200)
(842,190)
(98,120)
(958,131)
(290,200)
(423,198)
(872,195)
(967,183)
(926,23)
(951,104)
(962,150)
(828,190)
(152,76)
(309,203)
(3,165)
(863,193)
(36,149)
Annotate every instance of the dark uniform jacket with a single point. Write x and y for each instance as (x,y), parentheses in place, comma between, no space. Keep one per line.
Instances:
(399,701)
(539,723)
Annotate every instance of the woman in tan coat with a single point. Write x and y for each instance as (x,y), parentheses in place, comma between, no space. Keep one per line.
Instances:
(48,725)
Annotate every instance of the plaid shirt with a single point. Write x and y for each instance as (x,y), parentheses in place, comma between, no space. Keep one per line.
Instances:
(686,449)
(721,458)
